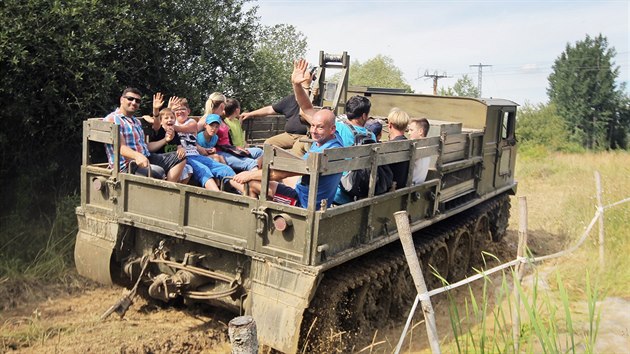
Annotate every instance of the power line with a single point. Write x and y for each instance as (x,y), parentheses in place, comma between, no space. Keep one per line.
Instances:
(480,67)
(435,78)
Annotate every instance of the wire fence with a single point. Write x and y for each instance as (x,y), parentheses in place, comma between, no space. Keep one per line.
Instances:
(424,296)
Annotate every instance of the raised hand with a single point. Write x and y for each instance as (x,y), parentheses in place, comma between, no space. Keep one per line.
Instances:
(158,101)
(174,101)
(299,74)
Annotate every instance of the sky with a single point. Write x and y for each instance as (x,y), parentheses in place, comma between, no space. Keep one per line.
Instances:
(519,40)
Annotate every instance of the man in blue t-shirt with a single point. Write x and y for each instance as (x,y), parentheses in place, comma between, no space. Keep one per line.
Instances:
(352,123)
(349,127)
(323,132)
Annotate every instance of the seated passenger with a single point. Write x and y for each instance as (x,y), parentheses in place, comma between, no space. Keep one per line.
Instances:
(323,132)
(207,138)
(397,122)
(133,146)
(237,158)
(418,129)
(351,125)
(204,169)
(237,134)
(376,127)
(165,139)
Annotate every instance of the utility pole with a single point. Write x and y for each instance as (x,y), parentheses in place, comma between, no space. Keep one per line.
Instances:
(435,78)
(480,66)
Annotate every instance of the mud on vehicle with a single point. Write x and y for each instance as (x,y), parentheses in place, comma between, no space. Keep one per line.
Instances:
(302,272)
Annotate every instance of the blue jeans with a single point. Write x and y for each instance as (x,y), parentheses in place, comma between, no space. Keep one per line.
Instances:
(256,152)
(205,168)
(242,163)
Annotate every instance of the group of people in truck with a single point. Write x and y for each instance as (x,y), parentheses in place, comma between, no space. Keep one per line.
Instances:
(213,149)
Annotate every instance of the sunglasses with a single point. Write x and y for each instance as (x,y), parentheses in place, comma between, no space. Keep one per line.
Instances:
(130,99)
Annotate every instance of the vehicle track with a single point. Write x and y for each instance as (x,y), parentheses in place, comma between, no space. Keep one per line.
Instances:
(372,291)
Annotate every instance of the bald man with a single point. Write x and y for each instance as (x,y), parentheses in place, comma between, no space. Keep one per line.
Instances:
(322,128)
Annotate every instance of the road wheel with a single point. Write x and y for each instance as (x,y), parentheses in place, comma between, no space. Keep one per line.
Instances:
(435,265)
(481,238)
(460,250)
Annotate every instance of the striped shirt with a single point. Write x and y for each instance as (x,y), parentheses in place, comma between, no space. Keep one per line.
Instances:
(131,134)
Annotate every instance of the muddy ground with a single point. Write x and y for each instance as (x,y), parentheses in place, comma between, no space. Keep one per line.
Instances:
(64,318)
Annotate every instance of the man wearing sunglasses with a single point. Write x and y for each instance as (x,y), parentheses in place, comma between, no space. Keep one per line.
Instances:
(133,147)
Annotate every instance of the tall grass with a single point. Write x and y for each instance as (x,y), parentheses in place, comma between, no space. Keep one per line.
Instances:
(546,319)
(39,247)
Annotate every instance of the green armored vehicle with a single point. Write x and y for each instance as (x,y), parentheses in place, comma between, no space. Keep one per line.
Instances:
(341,268)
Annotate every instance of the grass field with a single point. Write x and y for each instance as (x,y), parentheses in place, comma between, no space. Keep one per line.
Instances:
(561,197)
(561,307)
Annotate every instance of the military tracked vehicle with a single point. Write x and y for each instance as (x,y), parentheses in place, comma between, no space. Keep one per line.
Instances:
(304,272)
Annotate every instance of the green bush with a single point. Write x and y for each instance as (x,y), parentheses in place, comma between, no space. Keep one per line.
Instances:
(540,125)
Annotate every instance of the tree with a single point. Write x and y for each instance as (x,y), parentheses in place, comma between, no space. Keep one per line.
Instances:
(582,86)
(446,91)
(463,87)
(276,49)
(64,61)
(540,125)
(379,71)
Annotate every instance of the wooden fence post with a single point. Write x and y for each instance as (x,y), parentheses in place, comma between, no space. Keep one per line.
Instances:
(520,268)
(243,336)
(600,208)
(404,232)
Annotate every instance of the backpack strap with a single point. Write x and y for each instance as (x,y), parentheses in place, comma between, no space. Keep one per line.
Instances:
(354,130)
(355,133)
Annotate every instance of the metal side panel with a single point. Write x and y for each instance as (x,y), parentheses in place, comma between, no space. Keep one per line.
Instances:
(154,201)
(457,190)
(294,242)
(279,296)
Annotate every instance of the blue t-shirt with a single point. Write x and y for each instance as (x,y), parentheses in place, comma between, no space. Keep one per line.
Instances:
(201,140)
(345,134)
(327,184)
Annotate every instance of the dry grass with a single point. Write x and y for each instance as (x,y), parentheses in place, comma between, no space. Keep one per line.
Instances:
(561,197)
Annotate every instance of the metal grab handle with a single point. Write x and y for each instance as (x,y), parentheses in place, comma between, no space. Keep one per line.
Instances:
(133,170)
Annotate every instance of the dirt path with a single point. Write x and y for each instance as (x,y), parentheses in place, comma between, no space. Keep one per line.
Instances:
(68,322)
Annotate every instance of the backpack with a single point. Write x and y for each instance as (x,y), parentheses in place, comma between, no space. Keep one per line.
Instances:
(360,138)
(356,183)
